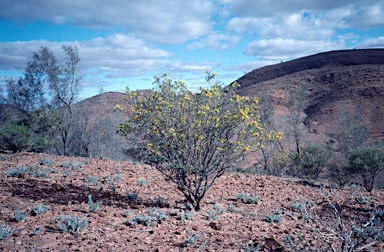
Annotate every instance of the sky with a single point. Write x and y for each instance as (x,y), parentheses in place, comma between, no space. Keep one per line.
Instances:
(125,43)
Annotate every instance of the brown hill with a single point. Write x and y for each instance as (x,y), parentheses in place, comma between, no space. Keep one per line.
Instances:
(351,77)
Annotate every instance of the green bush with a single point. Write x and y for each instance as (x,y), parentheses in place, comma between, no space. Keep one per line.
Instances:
(313,159)
(17,137)
(367,163)
(192,138)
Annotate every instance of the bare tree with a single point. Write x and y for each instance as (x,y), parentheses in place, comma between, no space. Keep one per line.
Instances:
(297,104)
(339,226)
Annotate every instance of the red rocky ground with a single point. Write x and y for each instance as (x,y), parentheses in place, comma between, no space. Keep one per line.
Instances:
(66,193)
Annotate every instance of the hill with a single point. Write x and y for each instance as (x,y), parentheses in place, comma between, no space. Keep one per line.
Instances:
(354,78)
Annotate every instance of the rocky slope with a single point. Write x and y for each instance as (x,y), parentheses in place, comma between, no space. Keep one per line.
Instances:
(63,184)
(354,78)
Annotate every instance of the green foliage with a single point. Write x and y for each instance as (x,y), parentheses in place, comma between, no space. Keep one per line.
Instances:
(18,138)
(45,124)
(5,231)
(153,217)
(19,216)
(245,198)
(192,138)
(312,160)
(40,209)
(92,205)
(367,163)
(71,224)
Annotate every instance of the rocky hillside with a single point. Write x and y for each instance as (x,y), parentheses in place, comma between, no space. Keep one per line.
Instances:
(354,78)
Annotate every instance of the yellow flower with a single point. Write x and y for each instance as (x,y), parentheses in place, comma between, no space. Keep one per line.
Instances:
(118,107)
(247,148)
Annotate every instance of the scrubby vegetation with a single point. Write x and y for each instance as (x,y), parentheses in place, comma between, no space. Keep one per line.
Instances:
(193,139)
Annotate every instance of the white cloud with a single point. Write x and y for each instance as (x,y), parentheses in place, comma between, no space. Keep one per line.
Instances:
(300,25)
(116,56)
(285,49)
(168,22)
(372,43)
(216,41)
(367,17)
(268,8)
(249,66)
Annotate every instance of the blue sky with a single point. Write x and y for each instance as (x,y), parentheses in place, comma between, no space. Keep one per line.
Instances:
(125,43)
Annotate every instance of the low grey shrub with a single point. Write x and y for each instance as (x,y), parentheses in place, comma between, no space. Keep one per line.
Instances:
(362,200)
(233,209)
(142,181)
(152,217)
(132,196)
(245,198)
(91,180)
(71,224)
(214,212)
(75,166)
(36,172)
(92,205)
(40,209)
(65,164)
(18,171)
(275,217)
(19,216)
(184,216)
(192,238)
(5,231)
(46,161)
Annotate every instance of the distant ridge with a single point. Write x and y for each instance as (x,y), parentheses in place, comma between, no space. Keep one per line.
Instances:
(329,59)
(354,78)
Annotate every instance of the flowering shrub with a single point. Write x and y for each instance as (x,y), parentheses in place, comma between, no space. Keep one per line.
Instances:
(193,138)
